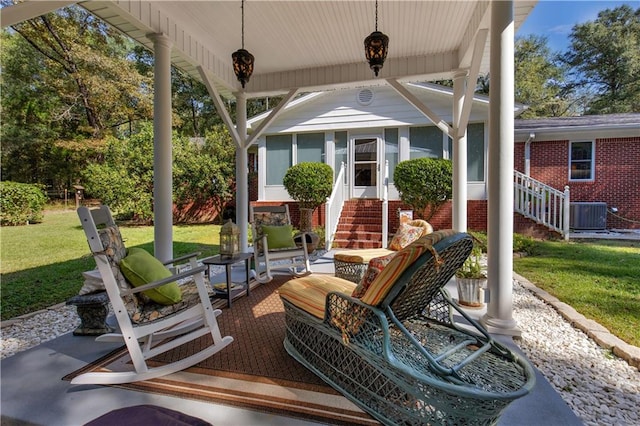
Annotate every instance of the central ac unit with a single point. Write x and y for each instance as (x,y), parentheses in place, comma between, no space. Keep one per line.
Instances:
(588,216)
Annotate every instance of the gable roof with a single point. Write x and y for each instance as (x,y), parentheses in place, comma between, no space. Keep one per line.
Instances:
(386,109)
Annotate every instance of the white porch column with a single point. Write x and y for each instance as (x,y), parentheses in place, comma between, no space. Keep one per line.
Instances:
(459,204)
(242,181)
(162,149)
(499,318)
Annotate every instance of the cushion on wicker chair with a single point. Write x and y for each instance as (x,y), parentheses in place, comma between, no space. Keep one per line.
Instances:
(310,293)
(405,235)
(361,255)
(383,282)
(376,265)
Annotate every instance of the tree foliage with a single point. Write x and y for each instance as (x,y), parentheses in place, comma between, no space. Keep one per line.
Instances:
(20,203)
(538,78)
(604,58)
(202,171)
(309,183)
(84,62)
(424,184)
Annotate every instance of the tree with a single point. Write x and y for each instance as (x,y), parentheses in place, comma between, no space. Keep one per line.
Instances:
(604,57)
(203,174)
(538,78)
(84,62)
(424,184)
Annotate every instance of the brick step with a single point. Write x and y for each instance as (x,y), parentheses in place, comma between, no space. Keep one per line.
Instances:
(356,244)
(350,220)
(369,210)
(347,235)
(358,227)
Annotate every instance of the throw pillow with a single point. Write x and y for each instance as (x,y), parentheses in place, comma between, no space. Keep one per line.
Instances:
(376,265)
(279,236)
(405,235)
(140,268)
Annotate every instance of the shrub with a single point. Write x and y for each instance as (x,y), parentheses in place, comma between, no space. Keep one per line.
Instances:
(424,184)
(21,203)
(309,184)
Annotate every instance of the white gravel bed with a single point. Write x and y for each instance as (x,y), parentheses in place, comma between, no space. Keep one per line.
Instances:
(601,388)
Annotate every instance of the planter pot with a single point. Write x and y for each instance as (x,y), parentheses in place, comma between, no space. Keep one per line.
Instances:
(306,219)
(471,291)
(312,239)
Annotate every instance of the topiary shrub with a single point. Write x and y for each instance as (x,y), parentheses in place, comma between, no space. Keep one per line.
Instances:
(424,184)
(21,203)
(309,184)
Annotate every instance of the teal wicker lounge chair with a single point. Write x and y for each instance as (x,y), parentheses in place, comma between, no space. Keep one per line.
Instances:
(394,349)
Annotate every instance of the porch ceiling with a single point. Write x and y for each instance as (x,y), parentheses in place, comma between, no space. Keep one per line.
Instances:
(310,44)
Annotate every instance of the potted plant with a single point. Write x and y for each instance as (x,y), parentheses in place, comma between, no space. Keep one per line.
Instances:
(309,184)
(471,280)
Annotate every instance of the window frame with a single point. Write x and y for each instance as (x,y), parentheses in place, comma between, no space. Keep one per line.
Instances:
(592,169)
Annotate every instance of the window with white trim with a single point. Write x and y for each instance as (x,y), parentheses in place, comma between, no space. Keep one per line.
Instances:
(310,147)
(581,160)
(278,158)
(425,142)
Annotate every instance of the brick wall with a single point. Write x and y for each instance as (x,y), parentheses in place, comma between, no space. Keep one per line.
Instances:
(617,175)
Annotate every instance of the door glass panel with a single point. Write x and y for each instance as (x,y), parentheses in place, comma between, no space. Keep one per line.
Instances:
(365,166)
(365,174)
(365,150)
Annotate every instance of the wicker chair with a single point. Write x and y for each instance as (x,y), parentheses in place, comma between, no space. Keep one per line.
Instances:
(395,350)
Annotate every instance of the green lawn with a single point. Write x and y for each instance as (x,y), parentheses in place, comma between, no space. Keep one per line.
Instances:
(600,279)
(42,264)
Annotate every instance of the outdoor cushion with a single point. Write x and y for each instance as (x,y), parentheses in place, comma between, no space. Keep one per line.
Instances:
(140,268)
(310,293)
(405,235)
(279,236)
(360,255)
(376,265)
(383,282)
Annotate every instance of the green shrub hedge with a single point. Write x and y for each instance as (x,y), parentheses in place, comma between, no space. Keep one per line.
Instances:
(21,203)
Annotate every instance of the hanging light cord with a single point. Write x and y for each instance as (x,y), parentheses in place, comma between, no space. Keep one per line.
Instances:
(242,7)
(376,15)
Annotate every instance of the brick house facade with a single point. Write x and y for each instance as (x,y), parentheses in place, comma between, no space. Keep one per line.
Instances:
(615,142)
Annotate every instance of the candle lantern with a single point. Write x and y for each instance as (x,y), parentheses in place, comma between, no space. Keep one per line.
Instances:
(229,240)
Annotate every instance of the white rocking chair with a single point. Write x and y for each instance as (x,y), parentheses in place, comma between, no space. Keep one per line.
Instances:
(290,256)
(148,328)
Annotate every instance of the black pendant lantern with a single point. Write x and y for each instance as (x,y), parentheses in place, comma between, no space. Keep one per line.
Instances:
(376,47)
(242,59)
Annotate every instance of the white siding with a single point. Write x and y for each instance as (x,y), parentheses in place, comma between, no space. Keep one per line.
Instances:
(339,110)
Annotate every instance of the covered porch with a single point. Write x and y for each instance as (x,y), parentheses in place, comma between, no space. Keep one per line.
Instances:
(301,47)
(32,379)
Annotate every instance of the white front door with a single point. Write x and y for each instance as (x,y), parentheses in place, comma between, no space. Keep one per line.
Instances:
(364,168)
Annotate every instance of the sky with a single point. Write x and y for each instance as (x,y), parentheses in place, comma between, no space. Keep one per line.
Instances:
(554,19)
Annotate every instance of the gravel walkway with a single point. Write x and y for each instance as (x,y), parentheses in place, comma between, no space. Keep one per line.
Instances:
(601,388)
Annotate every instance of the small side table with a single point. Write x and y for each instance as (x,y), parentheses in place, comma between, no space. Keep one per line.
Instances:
(227,262)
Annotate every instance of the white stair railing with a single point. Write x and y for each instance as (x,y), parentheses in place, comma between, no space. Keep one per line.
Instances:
(385,205)
(333,208)
(542,203)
